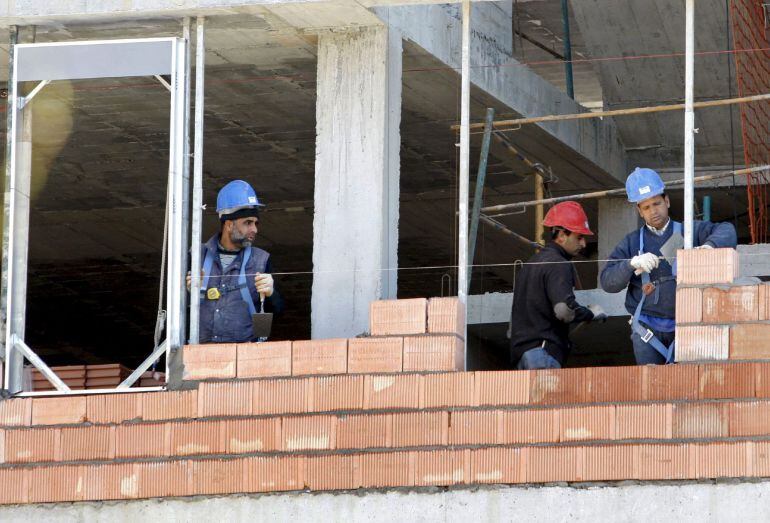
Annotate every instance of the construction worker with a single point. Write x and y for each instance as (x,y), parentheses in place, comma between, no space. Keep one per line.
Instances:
(651,281)
(544,302)
(236,275)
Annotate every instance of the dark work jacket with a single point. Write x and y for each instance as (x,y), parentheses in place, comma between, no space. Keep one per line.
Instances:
(618,273)
(227,320)
(539,287)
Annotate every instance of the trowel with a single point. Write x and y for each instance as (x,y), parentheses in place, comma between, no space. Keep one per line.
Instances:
(668,249)
(262,322)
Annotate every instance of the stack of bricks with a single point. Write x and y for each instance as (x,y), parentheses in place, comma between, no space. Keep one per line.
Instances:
(717,317)
(324,433)
(405,336)
(76,377)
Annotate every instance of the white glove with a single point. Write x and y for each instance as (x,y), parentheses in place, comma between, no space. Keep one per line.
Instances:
(704,246)
(599,314)
(264,284)
(645,262)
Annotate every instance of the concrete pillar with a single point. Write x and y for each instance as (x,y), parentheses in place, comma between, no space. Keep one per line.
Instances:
(355,226)
(617,218)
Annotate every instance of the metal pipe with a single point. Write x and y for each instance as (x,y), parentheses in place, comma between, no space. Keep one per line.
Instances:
(465,138)
(513,150)
(479,194)
(197,196)
(612,192)
(146,364)
(505,230)
(617,112)
(185,194)
(707,208)
(567,49)
(689,123)
(34,359)
(539,209)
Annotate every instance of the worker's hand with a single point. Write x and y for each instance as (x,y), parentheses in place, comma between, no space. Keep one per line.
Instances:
(704,246)
(189,279)
(645,262)
(264,284)
(599,314)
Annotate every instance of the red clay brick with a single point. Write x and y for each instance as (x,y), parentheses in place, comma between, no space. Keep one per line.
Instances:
(15,484)
(336,393)
(268,359)
(446,316)
(273,474)
(252,435)
(762,380)
(480,427)
(280,396)
(529,426)
(613,384)
(587,423)
(16,412)
(215,360)
(393,469)
(56,411)
(31,446)
(702,342)
(420,428)
(87,443)
(392,392)
(764,302)
(700,420)
(689,305)
(375,355)
(555,386)
(503,387)
(111,481)
(604,463)
(661,462)
(228,398)
(439,468)
(497,465)
(217,476)
(760,459)
(730,305)
(364,432)
(433,353)
(309,433)
(730,380)
(319,357)
(454,389)
(547,464)
(388,317)
(335,472)
(195,438)
(56,484)
(644,421)
(113,408)
(170,405)
(750,341)
(706,266)
(750,418)
(2,446)
(163,479)
(722,459)
(142,440)
(669,382)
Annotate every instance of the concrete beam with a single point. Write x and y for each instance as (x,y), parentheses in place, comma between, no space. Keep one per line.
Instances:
(754,260)
(355,226)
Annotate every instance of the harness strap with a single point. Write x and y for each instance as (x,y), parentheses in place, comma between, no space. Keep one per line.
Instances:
(242,285)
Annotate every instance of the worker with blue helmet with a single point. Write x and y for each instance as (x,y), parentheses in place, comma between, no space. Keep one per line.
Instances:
(636,265)
(237,281)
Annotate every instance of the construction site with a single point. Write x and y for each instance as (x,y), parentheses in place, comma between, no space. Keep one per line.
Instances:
(406,158)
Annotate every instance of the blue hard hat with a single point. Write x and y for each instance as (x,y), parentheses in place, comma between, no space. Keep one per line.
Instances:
(643,183)
(235,196)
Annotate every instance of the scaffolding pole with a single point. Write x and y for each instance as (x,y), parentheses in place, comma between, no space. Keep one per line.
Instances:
(479,194)
(465,138)
(689,123)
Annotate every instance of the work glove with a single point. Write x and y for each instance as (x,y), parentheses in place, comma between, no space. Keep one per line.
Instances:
(264,284)
(645,262)
(189,280)
(599,314)
(704,246)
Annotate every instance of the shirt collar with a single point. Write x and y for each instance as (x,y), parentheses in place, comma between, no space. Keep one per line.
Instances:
(658,232)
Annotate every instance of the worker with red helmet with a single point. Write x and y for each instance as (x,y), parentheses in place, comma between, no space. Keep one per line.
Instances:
(544,302)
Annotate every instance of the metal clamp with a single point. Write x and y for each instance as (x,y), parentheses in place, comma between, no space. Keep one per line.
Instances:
(647,336)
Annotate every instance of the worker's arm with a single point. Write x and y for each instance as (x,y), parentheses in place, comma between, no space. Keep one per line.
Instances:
(560,285)
(716,235)
(618,272)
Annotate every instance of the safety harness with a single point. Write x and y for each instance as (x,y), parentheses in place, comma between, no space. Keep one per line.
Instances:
(647,287)
(208,262)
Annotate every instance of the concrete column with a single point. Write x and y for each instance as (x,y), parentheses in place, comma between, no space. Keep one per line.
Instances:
(617,218)
(355,226)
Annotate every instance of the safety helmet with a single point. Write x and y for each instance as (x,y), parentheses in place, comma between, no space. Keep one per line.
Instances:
(568,215)
(235,196)
(643,183)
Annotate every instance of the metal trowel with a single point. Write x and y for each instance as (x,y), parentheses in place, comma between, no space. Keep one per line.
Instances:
(668,250)
(262,322)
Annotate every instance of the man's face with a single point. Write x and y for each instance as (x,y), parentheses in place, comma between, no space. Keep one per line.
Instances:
(572,243)
(243,230)
(654,211)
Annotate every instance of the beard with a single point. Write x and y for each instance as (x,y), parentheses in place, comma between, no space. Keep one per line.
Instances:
(240,239)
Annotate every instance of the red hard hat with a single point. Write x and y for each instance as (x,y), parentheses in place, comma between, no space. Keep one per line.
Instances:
(570,216)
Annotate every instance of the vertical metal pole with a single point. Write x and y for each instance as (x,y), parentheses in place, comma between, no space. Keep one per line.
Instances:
(465,141)
(185,211)
(707,208)
(197,196)
(689,123)
(479,194)
(539,214)
(567,49)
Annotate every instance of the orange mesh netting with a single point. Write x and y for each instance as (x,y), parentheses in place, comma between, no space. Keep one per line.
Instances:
(753,77)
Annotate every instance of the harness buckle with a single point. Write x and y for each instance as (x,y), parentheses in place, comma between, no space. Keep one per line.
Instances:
(647,336)
(213,294)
